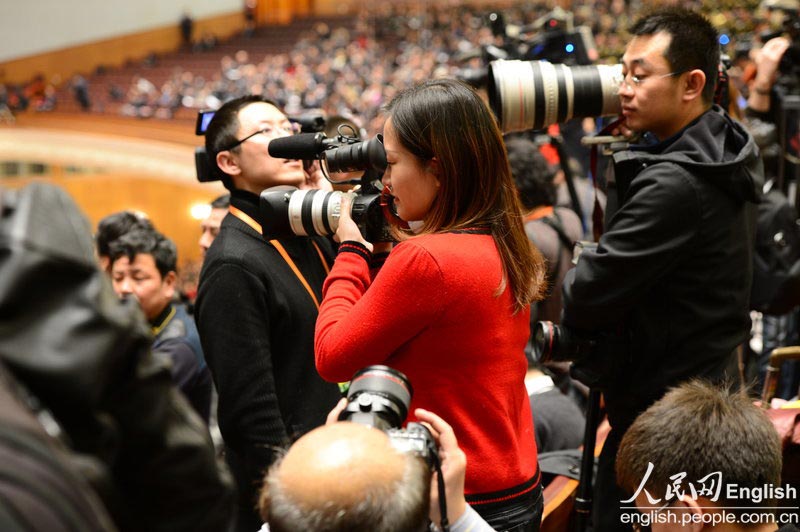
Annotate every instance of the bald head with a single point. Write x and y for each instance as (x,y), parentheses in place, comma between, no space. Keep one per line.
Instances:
(346,476)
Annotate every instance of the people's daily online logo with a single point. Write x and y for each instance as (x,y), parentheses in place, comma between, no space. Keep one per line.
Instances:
(743,504)
(711,488)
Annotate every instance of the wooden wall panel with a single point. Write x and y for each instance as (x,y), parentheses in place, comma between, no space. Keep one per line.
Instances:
(167,203)
(113,52)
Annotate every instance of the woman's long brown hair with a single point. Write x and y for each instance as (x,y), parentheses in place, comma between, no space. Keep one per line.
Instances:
(447,120)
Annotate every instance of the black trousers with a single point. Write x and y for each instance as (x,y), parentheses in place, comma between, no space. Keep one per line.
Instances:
(522,513)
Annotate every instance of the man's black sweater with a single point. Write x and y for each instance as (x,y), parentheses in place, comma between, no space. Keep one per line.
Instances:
(256,323)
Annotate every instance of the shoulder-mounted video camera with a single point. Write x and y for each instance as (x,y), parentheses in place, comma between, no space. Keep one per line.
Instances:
(286,211)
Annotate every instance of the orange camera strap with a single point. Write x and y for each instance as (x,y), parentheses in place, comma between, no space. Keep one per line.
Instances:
(243,216)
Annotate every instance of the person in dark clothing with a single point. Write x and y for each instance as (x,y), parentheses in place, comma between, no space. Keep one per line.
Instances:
(143,265)
(257,303)
(85,357)
(671,276)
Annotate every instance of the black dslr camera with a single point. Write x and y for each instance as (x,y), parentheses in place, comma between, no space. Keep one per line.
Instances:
(379,397)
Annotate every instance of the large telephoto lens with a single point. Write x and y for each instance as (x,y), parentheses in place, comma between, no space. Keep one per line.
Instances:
(528,95)
(379,396)
(289,211)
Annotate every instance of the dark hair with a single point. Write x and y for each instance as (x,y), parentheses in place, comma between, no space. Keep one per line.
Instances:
(532,173)
(401,505)
(699,429)
(221,202)
(446,119)
(142,241)
(223,128)
(114,226)
(694,43)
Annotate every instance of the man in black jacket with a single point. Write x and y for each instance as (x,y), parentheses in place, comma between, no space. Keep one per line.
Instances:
(672,273)
(257,303)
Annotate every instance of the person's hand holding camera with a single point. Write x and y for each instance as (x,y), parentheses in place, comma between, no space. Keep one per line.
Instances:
(768,60)
(348,231)
(454,468)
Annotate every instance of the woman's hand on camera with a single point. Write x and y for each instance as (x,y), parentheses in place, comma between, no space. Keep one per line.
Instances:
(454,468)
(348,231)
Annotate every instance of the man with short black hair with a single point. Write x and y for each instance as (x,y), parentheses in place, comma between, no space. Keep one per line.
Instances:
(258,301)
(113,226)
(143,265)
(708,437)
(671,276)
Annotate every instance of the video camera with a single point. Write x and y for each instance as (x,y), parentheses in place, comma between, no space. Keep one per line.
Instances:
(379,397)
(315,212)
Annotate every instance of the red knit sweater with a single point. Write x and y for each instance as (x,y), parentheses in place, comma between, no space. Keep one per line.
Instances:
(432,312)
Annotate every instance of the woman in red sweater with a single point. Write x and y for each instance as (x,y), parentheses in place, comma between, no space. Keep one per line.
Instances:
(450,306)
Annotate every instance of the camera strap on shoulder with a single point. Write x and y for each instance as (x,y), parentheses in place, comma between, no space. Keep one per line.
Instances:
(243,216)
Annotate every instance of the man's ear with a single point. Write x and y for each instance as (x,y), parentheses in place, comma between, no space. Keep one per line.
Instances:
(695,83)
(169,283)
(228,163)
(690,505)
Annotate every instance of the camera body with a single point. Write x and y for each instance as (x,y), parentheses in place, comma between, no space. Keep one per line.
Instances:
(379,397)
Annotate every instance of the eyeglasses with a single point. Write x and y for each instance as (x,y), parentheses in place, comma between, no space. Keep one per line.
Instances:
(636,81)
(270,131)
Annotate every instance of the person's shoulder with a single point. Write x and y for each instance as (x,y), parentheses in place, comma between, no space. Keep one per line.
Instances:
(237,248)
(444,244)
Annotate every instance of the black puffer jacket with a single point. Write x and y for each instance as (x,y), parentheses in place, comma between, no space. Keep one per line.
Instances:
(86,358)
(674,268)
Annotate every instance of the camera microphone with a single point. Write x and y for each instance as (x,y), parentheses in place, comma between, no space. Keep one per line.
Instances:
(305,146)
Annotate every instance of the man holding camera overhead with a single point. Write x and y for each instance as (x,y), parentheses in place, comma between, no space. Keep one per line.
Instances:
(671,276)
(257,303)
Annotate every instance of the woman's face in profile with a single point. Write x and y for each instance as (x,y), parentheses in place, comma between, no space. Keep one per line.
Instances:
(413,183)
